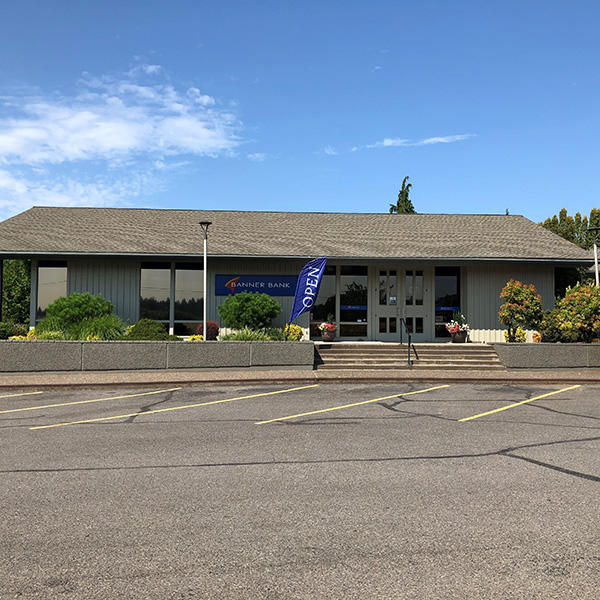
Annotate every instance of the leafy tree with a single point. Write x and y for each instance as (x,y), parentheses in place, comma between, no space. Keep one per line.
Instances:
(403,204)
(16,287)
(522,308)
(248,309)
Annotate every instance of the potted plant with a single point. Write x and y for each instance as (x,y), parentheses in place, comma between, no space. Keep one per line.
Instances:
(458,328)
(328,329)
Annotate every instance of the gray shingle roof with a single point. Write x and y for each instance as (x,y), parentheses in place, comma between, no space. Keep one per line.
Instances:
(243,233)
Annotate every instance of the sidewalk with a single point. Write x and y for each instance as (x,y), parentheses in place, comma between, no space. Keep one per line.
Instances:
(56,379)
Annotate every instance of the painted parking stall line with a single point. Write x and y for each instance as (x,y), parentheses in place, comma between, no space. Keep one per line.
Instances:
(515,404)
(172,408)
(324,410)
(14,410)
(20,394)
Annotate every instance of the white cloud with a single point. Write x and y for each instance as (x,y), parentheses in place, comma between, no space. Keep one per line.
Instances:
(330,151)
(402,142)
(115,119)
(377,68)
(257,156)
(115,139)
(17,194)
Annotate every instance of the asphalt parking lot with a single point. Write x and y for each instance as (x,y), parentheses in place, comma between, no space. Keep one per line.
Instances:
(402,491)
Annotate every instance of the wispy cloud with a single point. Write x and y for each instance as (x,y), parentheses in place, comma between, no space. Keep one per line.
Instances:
(377,68)
(330,151)
(257,156)
(20,193)
(404,142)
(88,147)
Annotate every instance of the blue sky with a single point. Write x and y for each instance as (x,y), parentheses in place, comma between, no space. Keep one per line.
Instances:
(284,105)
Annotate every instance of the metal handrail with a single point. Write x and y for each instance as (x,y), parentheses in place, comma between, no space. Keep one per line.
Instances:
(405,327)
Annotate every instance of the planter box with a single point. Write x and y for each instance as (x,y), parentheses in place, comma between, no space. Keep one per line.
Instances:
(548,356)
(37,355)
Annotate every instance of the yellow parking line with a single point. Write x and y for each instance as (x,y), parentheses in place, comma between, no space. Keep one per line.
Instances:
(160,410)
(21,394)
(12,410)
(323,410)
(496,410)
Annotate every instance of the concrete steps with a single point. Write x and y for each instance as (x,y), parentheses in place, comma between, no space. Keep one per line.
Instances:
(395,356)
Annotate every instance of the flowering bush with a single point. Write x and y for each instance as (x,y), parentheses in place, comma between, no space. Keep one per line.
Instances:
(522,308)
(327,326)
(578,314)
(293,332)
(196,338)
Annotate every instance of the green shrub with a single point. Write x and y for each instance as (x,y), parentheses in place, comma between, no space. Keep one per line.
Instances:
(74,308)
(8,329)
(147,329)
(175,338)
(248,335)
(550,327)
(522,307)
(106,327)
(20,329)
(50,335)
(246,309)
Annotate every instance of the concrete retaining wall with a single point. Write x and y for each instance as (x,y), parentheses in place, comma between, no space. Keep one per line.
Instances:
(38,355)
(548,356)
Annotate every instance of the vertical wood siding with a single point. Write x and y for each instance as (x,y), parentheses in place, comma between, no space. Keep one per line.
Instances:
(114,279)
(481,294)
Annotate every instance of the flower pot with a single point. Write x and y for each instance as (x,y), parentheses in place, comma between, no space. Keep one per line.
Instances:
(327,336)
(460,337)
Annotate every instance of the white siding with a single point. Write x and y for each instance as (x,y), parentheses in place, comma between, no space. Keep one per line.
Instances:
(482,285)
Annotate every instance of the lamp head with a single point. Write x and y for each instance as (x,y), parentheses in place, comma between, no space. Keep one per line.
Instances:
(205,225)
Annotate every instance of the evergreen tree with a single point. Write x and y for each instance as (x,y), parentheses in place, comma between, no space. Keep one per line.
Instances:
(15,291)
(574,229)
(403,204)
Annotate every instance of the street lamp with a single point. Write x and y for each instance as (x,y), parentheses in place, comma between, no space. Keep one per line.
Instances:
(205,225)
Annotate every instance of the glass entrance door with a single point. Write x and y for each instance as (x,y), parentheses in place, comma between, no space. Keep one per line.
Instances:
(415,304)
(387,324)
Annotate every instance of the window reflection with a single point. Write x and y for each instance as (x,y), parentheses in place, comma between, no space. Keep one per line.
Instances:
(189,293)
(155,287)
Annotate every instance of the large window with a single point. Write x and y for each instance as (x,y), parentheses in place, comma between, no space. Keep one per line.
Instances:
(353,301)
(155,291)
(189,297)
(51,284)
(447,297)
(324,305)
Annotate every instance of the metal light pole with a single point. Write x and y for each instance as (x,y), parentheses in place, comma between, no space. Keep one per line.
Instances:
(205,225)
(595,232)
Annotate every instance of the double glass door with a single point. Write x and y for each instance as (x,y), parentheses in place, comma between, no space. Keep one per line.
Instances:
(400,304)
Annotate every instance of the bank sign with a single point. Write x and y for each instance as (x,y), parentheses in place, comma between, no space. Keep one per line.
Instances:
(273,285)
